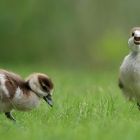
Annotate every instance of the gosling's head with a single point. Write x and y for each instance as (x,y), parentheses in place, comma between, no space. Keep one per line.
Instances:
(134,40)
(42,85)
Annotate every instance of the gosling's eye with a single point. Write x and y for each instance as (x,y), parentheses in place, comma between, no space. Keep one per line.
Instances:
(133,34)
(44,88)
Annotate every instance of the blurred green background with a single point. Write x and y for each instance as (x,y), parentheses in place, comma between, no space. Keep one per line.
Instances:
(66,33)
(80,45)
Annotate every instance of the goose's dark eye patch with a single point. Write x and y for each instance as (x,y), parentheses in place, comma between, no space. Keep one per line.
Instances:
(45,83)
(45,88)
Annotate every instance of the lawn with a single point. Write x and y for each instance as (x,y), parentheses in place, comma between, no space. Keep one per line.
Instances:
(87,106)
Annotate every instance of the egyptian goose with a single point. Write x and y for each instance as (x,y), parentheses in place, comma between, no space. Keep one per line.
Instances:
(19,94)
(129,79)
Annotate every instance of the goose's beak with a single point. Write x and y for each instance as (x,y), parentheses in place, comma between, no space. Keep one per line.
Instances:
(48,99)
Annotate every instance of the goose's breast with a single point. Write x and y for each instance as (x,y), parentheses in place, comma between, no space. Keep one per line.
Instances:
(130,77)
(130,71)
(26,100)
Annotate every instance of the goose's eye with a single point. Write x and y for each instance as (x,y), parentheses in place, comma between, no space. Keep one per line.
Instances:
(133,34)
(44,88)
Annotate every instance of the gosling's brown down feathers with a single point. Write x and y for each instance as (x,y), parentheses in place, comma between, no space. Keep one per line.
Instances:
(20,94)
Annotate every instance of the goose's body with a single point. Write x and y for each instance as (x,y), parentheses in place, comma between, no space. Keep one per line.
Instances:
(129,80)
(130,76)
(23,95)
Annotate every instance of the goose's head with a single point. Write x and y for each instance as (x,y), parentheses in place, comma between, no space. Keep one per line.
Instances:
(42,85)
(134,40)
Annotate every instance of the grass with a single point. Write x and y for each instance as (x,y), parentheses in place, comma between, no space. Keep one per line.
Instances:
(87,106)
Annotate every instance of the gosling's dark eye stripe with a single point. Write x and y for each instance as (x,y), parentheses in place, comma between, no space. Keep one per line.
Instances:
(46,81)
(45,88)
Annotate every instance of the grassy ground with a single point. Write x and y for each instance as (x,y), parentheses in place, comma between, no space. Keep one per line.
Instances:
(87,106)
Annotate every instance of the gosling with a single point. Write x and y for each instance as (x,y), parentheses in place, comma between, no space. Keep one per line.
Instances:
(23,95)
(129,79)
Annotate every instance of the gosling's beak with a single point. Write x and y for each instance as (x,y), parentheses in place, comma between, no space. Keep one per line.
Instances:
(48,99)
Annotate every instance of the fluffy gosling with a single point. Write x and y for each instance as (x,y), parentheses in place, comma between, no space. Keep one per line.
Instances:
(129,79)
(23,95)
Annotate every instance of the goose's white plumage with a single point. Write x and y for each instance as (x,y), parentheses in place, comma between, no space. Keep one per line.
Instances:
(129,80)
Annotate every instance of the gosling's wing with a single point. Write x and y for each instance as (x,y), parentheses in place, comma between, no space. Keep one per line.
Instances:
(11,75)
(9,82)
